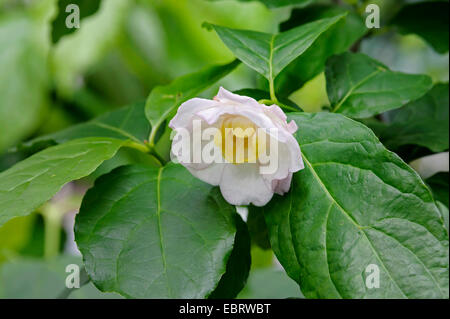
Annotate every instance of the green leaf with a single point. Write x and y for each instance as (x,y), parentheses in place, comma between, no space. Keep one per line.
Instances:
(268,54)
(280,3)
(35,180)
(257,227)
(164,100)
(43,279)
(335,40)
(360,87)
(433,26)
(24,83)
(423,122)
(238,266)
(127,123)
(444,213)
(353,205)
(59,28)
(440,187)
(138,241)
(286,104)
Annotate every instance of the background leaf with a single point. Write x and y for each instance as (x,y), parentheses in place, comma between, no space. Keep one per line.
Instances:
(28,278)
(423,122)
(268,54)
(163,100)
(127,123)
(59,28)
(24,82)
(138,241)
(428,19)
(356,204)
(35,180)
(360,87)
(335,40)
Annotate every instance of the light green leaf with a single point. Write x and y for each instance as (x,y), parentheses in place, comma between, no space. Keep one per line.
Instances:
(164,100)
(238,266)
(35,180)
(43,279)
(360,87)
(269,283)
(77,52)
(138,241)
(444,213)
(433,26)
(357,204)
(337,39)
(423,122)
(24,85)
(127,123)
(269,54)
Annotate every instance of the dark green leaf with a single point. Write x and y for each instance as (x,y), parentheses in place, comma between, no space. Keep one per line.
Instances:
(439,185)
(269,54)
(149,232)
(335,40)
(35,180)
(163,100)
(59,28)
(238,265)
(257,227)
(280,3)
(360,87)
(286,104)
(423,122)
(353,205)
(429,20)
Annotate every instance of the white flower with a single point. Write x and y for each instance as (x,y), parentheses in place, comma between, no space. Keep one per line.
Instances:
(243,177)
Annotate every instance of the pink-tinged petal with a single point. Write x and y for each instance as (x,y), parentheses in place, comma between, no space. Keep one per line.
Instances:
(188,109)
(281,186)
(226,96)
(292,127)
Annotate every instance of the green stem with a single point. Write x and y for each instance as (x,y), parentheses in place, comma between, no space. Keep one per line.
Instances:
(52,224)
(273,97)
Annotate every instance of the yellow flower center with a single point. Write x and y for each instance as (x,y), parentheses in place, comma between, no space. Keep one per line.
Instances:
(238,138)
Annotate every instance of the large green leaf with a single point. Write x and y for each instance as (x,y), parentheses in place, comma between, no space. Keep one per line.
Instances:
(33,181)
(423,122)
(238,266)
(24,85)
(127,123)
(155,233)
(360,87)
(357,204)
(163,100)
(269,54)
(433,26)
(335,40)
